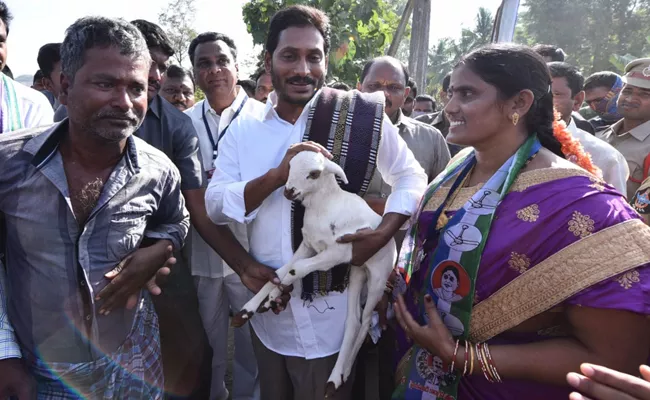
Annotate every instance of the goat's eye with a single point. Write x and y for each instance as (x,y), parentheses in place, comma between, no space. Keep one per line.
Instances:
(314,175)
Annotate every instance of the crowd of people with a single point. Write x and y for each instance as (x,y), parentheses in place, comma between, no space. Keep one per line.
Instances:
(522,227)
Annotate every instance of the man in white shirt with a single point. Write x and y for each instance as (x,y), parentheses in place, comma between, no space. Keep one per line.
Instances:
(296,349)
(214,58)
(568,97)
(22,106)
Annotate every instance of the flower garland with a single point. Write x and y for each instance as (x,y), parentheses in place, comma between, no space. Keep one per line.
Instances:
(572,148)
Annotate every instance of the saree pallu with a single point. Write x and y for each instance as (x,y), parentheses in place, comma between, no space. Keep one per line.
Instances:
(134,371)
(552,218)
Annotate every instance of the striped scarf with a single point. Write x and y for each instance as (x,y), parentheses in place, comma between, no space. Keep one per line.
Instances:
(348,124)
(10,118)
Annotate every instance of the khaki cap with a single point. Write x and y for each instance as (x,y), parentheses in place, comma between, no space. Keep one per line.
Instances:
(637,73)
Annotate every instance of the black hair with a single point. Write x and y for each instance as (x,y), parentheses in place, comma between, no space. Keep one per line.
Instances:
(38,76)
(211,37)
(154,36)
(446,81)
(175,71)
(248,85)
(426,97)
(547,50)
(454,271)
(5,15)
(48,56)
(605,79)
(574,78)
(411,84)
(298,16)
(511,69)
(407,78)
(340,86)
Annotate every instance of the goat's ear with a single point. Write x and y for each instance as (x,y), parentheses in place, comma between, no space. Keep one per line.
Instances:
(334,168)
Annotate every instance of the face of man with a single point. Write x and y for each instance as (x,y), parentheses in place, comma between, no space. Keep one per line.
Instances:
(634,103)
(264,87)
(108,97)
(563,101)
(38,85)
(422,108)
(3,45)
(408,106)
(595,95)
(159,64)
(178,91)
(298,65)
(215,69)
(53,82)
(389,78)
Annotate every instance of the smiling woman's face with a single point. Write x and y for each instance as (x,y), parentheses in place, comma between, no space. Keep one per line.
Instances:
(474,109)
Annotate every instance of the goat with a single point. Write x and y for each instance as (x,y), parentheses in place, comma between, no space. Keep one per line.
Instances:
(331,212)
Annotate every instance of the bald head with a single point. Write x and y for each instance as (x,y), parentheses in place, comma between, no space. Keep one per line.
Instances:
(389,75)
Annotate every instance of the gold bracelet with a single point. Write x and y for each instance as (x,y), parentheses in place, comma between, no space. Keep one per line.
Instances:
(466,358)
(471,358)
(492,366)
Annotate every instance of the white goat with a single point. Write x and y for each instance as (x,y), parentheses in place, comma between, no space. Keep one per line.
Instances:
(331,212)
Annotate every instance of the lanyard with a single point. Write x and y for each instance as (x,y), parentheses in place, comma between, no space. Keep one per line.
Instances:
(215,145)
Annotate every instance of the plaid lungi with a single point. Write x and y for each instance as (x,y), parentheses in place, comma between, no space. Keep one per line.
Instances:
(134,371)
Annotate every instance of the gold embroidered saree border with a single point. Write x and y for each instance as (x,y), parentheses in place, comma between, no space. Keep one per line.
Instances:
(523,182)
(597,257)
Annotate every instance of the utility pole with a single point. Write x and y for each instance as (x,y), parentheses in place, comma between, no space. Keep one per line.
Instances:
(419,49)
(399,34)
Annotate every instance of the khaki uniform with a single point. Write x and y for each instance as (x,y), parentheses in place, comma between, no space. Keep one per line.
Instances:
(634,144)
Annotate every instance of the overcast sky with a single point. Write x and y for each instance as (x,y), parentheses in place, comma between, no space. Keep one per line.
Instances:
(37,22)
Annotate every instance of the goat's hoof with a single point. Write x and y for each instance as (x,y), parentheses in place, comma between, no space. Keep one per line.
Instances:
(240,318)
(330,390)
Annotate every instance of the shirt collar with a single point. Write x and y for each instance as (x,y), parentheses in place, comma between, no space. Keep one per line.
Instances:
(272,102)
(640,133)
(155,105)
(241,95)
(572,127)
(403,120)
(44,146)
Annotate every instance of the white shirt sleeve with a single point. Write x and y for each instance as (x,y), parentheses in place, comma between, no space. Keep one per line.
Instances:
(399,168)
(617,173)
(40,112)
(8,344)
(224,198)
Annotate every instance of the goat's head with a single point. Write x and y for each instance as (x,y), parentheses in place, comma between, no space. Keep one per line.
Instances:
(308,171)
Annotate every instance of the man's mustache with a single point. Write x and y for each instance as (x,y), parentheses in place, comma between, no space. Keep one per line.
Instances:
(301,80)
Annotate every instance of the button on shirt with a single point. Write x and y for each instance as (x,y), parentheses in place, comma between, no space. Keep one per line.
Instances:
(54,267)
(203,260)
(635,147)
(428,146)
(250,149)
(610,161)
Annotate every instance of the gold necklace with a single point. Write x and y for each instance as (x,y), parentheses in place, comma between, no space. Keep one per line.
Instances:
(443,219)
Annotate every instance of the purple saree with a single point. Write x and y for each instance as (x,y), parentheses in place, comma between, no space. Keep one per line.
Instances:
(553,219)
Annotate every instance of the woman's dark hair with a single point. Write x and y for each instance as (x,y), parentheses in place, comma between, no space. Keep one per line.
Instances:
(454,271)
(511,69)
(298,16)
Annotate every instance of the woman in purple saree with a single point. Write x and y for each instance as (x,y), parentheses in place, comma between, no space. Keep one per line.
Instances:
(554,275)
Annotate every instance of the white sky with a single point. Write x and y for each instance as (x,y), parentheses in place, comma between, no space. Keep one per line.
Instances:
(37,22)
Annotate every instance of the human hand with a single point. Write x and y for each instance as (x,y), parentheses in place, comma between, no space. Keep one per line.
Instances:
(283,169)
(365,243)
(135,272)
(15,380)
(256,275)
(600,383)
(435,337)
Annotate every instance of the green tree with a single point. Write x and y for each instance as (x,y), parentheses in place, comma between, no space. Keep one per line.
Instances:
(177,20)
(361,30)
(593,33)
(447,52)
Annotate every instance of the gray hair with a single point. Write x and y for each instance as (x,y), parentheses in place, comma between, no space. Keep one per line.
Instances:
(91,32)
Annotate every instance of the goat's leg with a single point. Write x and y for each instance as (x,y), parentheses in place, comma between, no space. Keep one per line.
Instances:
(352,326)
(253,304)
(303,252)
(323,261)
(378,271)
